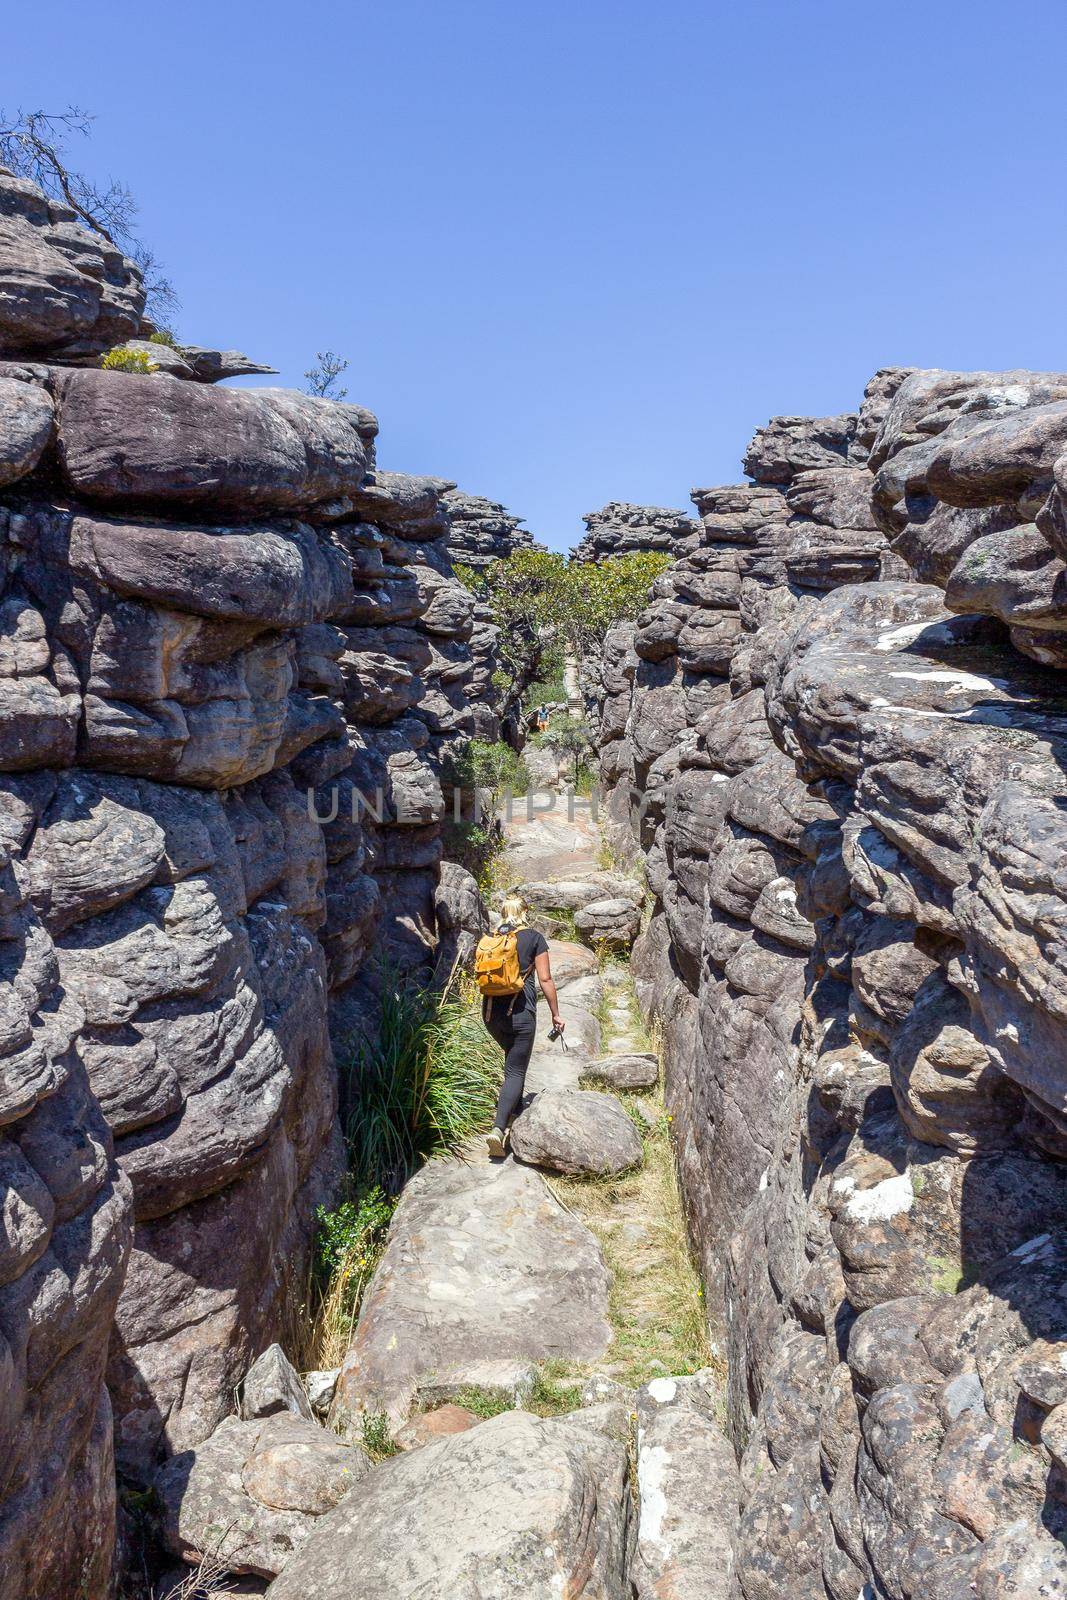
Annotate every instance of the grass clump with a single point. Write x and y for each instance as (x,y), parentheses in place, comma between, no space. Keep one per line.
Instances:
(420,1085)
(123,359)
(163,336)
(556,1389)
(484,1403)
(376,1436)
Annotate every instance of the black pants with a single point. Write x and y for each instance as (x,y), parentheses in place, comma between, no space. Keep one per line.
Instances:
(515,1036)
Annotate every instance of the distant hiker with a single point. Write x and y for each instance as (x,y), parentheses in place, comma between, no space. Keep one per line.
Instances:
(505,964)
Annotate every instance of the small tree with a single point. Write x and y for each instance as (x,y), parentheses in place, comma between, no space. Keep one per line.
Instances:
(33,145)
(567,736)
(322,380)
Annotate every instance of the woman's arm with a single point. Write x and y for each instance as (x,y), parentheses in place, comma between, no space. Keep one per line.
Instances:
(543,968)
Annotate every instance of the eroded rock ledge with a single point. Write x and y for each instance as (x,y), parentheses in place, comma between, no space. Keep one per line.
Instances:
(837,739)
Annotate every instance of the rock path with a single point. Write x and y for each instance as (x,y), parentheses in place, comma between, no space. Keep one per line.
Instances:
(556,1282)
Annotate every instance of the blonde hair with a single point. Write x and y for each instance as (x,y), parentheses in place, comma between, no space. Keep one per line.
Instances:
(514,908)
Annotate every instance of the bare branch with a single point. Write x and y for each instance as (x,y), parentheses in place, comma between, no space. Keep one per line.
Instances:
(32,144)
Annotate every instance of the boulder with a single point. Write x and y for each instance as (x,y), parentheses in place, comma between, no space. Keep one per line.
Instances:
(570,962)
(613,921)
(123,439)
(319,1387)
(572,894)
(441,1423)
(212,366)
(273,1385)
(482,1265)
(515,1508)
(636,1071)
(26,423)
(251,1493)
(579,1132)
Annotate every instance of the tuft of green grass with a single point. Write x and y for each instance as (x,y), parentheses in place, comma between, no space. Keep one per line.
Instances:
(484,1403)
(561,923)
(419,1086)
(376,1436)
(163,336)
(556,1390)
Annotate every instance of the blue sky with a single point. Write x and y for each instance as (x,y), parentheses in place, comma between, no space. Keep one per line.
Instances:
(577,253)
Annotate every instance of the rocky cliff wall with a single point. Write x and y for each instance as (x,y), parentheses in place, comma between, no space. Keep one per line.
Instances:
(212,605)
(836,739)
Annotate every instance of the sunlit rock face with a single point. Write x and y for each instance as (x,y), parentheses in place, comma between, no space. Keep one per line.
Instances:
(837,738)
(618,529)
(63,291)
(234,663)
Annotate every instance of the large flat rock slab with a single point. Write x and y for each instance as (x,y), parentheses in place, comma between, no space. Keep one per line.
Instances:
(483,1270)
(549,837)
(517,1509)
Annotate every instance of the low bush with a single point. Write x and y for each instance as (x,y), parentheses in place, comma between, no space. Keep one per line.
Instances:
(491,764)
(123,359)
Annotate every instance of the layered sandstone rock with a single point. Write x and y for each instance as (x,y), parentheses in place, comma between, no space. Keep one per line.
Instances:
(63,291)
(482,530)
(847,786)
(618,529)
(234,665)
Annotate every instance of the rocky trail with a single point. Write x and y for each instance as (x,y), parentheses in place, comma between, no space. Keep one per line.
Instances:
(532,1340)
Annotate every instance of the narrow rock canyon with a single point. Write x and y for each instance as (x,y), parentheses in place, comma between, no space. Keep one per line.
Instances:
(828,860)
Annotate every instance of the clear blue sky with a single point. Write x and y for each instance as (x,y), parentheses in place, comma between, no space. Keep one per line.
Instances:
(578,251)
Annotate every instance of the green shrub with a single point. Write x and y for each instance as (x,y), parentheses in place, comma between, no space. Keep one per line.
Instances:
(163,336)
(348,1246)
(421,1085)
(352,1232)
(486,764)
(123,359)
(549,687)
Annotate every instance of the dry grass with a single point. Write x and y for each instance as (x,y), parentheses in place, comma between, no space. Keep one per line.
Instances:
(657,1303)
(208,1580)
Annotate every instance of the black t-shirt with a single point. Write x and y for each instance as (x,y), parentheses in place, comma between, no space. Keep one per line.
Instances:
(530,944)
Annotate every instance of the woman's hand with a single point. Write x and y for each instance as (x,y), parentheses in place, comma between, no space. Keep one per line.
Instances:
(557,1021)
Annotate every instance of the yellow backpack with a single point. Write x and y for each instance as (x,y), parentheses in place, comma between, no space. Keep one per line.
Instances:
(496,964)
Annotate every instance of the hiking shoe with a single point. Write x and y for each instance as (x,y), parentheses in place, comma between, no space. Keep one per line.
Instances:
(495,1141)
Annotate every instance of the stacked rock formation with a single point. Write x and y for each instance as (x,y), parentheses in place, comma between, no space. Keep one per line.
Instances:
(837,738)
(233,664)
(618,529)
(482,530)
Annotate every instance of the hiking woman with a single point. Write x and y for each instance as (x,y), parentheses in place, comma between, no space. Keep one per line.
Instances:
(512,1019)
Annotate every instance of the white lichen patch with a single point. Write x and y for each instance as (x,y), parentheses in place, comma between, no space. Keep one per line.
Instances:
(662,1390)
(955,680)
(890,1198)
(652,1464)
(1040,1248)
